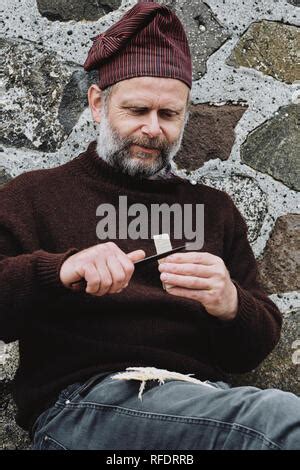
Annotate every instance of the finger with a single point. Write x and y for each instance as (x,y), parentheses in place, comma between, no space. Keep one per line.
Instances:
(128,266)
(92,278)
(189,282)
(187,269)
(193,257)
(117,274)
(201,296)
(105,277)
(136,255)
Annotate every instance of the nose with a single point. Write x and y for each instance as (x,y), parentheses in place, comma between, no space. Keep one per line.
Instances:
(152,128)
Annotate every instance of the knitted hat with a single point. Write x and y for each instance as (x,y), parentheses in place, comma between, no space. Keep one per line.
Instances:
(149,40)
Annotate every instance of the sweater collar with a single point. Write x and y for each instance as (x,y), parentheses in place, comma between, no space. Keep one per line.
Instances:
(99,168)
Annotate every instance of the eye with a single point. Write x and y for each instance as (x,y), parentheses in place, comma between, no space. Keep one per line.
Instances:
(164,113)
(168,114)
(138,110)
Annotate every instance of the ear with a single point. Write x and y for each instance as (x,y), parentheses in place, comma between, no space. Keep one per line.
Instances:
(94,98)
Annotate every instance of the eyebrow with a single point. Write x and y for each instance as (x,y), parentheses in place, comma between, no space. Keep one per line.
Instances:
(132,104)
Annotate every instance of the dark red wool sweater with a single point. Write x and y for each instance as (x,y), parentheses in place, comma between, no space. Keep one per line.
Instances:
(66,336)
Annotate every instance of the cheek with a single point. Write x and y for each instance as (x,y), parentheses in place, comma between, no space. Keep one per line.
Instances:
(173,132)
(126,126)
(173,127)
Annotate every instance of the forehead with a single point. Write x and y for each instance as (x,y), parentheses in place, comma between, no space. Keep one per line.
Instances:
(151,90)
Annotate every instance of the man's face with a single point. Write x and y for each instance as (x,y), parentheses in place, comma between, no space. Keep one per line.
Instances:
(141,127)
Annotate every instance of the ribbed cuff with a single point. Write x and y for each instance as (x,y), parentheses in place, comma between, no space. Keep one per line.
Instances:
(247,303)
(246,308)
(48,267)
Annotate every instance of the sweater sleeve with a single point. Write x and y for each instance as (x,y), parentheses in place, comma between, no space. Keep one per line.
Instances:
(242,344)
(26,276)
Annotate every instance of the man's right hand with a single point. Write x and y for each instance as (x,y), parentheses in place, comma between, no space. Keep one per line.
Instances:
(105,268)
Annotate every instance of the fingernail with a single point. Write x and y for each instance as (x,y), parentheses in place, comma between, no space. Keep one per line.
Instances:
(168,288)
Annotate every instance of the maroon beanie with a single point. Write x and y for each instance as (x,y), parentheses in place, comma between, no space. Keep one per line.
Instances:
(149,40)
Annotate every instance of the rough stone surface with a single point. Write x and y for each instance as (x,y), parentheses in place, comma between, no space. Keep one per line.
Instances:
(248,197)
(274,147)
(277,370)
(74,98)
(294,2)
(4,177)
(238,15)
(209,134)
(65,10)
(205,34)
(9,360)
(280,265)
(34,84)
(271,48)
(11,436)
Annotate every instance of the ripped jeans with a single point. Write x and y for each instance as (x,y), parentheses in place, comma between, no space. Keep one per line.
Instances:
(154,409)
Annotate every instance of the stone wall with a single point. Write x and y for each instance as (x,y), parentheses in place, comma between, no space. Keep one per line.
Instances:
(242,134)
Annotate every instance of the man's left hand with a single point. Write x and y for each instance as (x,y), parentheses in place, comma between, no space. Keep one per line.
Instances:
(202,277)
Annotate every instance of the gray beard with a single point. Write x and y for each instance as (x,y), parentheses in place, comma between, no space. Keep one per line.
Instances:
(116,152)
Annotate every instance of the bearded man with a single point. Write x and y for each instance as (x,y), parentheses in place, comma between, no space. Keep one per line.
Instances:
(109,359)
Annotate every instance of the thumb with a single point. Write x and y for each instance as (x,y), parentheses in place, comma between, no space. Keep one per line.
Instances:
(136,255)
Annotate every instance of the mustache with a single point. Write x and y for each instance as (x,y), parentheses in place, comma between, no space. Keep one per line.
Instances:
(156,145)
